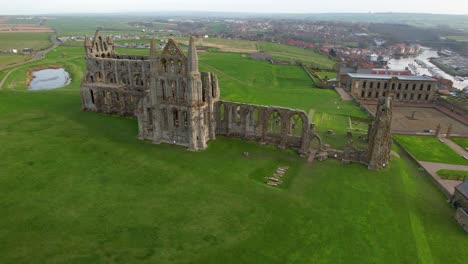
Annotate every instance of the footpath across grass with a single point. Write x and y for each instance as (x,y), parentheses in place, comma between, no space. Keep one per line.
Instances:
(426,148)
(453,174)
(462,142)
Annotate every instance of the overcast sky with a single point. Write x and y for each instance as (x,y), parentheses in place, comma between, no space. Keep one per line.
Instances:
(15,7)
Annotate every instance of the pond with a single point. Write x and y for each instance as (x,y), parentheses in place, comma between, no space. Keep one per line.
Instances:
(49,79)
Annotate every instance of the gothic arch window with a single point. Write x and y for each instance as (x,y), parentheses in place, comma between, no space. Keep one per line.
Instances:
(98,76)
(203,93)
(184,91)
(255,117)
(92,95)
(163,89)
(274,123)
(175,118)
(185,119)
(295,125)
(137,80)
(148,81)
(221,111)
(172,66)
(165,119)
(164,65)
(238,115)
(124,79)
(179,67)
(110,78)
(173,89)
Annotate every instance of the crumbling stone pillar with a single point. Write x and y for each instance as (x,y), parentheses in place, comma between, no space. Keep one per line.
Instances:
(380,138)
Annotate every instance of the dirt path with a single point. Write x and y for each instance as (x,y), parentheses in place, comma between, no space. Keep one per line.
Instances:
(344,95)
(433,167)
(455,147)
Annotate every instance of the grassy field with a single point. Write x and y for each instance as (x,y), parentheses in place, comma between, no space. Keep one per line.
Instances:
(430,149)
(453,174)
(225,45)
(242,80)
(37,41)
(6,59)
(79,187)
(462,142)
(246,80)
(289,53)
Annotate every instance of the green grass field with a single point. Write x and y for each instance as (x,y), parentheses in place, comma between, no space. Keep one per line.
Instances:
(430,149)
(453,174)
(462,142)
(242,80)
(289,53)
(79,187)
(19,41)
(6,59)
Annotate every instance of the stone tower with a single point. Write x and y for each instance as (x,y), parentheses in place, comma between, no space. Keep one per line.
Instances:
(99,47)
(380,138)
(179,108)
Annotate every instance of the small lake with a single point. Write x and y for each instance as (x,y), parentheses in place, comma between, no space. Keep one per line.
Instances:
(49,79)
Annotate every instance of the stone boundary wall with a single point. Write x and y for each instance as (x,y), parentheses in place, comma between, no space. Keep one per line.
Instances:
(311,76)
(279,126)
(453,108)
(462,218)
(437,183)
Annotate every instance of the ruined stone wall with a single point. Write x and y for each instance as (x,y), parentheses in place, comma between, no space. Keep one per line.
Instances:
(461,216)
(459,200)
(114,86)
(282,127)
(380,137)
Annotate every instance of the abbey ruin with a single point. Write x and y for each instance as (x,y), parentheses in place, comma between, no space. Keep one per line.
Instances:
(174,103)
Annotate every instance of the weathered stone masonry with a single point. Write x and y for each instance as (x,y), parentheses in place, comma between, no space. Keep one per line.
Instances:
(176,104)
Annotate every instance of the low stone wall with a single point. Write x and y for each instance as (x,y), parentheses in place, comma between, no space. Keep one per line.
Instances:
(461,216)
(282,127)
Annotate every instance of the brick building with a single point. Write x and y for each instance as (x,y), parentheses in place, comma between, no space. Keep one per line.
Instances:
(410,89)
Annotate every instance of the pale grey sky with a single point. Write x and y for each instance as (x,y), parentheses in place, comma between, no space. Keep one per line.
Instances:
(14,7)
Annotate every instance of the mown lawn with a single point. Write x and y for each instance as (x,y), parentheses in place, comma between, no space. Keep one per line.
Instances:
(462,142)
(430,149)
(78,187)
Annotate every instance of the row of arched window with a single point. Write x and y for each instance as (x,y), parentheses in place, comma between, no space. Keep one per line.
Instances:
(274,121)
(178,119)
(171,91)
(171,66)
